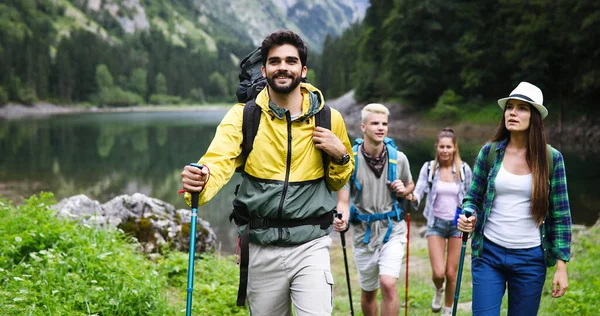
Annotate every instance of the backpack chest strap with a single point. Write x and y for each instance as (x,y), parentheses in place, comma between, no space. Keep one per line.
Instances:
(356,216)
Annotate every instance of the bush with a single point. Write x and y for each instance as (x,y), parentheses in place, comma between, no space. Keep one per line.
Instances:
(27,95)
(115,96)
(161,99)
(447,107)
(3,96)
(50,266)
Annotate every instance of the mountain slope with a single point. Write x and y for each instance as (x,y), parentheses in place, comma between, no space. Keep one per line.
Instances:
(202,23)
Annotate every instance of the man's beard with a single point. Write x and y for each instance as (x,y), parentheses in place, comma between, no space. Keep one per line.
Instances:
(283,89)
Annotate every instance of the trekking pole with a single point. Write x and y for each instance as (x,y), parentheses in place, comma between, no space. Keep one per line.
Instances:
(190,283)
(343,238)
(407,208)
(465,237)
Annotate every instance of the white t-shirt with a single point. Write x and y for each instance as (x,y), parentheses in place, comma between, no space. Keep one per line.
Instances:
(510,223)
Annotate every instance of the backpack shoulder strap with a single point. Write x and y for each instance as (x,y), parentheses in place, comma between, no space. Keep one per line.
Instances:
(393,173)
(463,171)
(355,154)
(323,119)
(430,174)
(354,184)
(250,123)
(492,156)
(392,162)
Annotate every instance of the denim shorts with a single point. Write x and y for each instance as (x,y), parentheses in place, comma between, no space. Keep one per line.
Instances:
(443,228)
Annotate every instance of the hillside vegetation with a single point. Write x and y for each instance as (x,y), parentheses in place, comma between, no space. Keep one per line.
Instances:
(146,51)
(448,54)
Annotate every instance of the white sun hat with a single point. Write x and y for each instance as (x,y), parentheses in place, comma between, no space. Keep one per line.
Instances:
(529,93)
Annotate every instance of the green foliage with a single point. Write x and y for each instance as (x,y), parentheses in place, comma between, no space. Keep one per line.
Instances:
(218,84)
(55,55)
(584,285)
(20,92)
(197,95)
(488,113)
(50,266)
(104,79)
(3,96)
(415,50)
(164,99)
(137,82)
(448,107)
(115,96)
(160,84)
(215,283)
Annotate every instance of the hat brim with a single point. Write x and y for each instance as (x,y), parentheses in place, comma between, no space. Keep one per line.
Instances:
(542,109)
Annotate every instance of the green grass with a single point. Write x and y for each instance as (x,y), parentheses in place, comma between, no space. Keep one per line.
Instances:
(50,266)
(53,267)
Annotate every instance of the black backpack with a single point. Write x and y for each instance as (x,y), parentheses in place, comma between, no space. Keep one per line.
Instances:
(251,78)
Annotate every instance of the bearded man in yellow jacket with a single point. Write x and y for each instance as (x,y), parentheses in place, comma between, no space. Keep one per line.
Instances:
(283,207)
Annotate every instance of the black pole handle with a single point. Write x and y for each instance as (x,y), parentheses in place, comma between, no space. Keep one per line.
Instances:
(195,195)
(342,235)
(465,235)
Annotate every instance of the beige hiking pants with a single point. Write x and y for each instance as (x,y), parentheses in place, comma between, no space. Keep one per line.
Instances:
(280,276)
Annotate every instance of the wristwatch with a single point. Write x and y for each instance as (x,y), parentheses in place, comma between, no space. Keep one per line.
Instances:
(343,160)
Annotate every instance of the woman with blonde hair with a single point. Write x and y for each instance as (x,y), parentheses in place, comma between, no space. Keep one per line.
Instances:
(445,180)
(521,219)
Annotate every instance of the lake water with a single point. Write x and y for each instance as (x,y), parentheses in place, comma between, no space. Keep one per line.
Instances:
(103,155)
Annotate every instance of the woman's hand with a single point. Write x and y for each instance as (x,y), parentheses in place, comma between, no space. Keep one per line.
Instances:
(561,281)
(465,224)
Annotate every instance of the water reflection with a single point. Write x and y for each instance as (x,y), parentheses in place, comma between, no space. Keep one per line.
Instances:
(104,155)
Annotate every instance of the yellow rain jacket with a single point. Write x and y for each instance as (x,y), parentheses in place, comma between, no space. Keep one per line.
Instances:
(283,175)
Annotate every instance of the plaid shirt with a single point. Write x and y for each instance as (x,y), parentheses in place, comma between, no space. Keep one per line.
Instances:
(555,229)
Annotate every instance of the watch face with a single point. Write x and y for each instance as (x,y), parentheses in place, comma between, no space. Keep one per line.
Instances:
(345,158)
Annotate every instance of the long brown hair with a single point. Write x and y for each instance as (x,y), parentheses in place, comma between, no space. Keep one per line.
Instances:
(537,160)
(448,132)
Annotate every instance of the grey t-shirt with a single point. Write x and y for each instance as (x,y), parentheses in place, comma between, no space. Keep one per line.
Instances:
(376,198)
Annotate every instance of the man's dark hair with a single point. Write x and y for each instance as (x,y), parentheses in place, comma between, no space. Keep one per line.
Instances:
(284,37)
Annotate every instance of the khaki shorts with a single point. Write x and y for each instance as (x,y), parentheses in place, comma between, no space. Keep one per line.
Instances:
(280,276)
(385,260)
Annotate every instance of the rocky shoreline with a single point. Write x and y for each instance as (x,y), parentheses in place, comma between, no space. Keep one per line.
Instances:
(44,109)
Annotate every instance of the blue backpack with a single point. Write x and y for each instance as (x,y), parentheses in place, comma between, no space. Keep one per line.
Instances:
(356,189)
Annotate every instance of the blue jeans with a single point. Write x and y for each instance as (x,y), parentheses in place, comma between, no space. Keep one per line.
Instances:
(524,270)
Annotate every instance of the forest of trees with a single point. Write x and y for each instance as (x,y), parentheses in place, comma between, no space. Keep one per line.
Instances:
(145,67)
(413,51)
(418,50)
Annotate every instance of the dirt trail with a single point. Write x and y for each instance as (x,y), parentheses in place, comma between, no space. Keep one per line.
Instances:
(419,266)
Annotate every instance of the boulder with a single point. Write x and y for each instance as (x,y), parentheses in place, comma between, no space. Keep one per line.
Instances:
(152,222)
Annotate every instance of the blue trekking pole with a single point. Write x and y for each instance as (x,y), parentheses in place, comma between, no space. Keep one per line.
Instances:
(190,283)
(465,237)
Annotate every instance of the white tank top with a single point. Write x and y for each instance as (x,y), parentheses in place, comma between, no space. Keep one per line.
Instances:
(510,223)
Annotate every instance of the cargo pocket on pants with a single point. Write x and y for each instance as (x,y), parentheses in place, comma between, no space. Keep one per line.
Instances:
(329,280)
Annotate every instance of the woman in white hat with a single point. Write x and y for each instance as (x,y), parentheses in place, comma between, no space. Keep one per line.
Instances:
(521,219)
